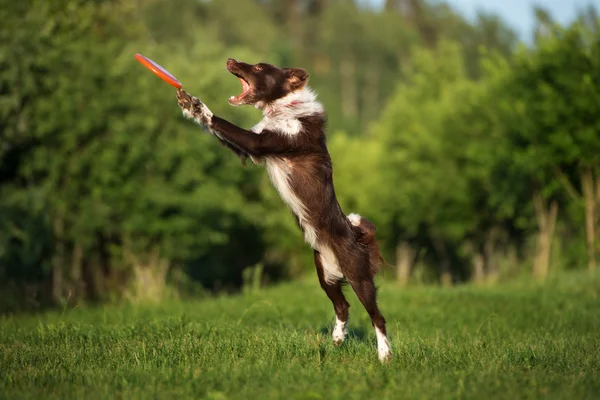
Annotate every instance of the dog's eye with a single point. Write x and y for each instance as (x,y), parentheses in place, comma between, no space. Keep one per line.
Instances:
(258,68)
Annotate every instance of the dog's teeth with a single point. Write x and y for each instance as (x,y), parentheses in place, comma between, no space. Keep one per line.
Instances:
(231,97)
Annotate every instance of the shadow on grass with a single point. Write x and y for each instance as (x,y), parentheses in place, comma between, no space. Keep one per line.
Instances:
(357,334)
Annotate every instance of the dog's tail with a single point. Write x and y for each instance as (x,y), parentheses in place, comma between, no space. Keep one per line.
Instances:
(365,235)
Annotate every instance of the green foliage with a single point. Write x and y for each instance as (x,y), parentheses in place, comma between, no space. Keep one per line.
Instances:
(435,152)
(563,128)
(438,133)
(463,162)
(506,342)
(103,151)
(414,133)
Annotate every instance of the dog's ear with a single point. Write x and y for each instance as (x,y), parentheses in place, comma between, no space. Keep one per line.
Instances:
(297,78)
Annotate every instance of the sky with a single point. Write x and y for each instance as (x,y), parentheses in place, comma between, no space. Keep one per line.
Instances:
(516,13)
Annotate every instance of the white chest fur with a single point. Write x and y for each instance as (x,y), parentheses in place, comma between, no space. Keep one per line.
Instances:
(280,170)
(280,123)
(282,116)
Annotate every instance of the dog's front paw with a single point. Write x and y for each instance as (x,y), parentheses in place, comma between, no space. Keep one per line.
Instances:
(190,105)
(184,99)
(193,108)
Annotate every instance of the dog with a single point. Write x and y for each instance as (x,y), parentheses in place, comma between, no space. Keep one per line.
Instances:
(290,142)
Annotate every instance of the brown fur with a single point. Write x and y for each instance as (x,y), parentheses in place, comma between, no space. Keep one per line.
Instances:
(304,154)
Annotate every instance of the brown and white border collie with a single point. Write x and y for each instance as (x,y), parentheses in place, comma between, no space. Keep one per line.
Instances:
(290,142)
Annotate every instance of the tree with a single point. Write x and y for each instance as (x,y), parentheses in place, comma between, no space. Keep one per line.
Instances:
(126,188)
(558,91)
(424,185)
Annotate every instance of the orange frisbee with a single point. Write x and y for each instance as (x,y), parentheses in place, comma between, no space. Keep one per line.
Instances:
(159,71)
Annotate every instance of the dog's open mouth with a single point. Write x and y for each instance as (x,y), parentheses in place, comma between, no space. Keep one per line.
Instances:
(246,89)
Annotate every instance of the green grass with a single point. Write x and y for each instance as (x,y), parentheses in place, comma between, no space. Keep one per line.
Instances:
(505,342)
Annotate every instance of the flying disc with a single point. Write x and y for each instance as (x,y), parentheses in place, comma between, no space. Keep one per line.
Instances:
(158,70)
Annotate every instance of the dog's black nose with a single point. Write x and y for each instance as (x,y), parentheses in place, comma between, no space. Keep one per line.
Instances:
(231,62)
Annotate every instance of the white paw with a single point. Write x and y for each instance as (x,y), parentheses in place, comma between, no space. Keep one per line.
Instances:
(384,349)
(339,332)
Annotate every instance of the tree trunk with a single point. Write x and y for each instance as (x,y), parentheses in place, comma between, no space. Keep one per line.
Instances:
(546,220)
(405,259)
(76,277)
(442,252)
(93,279)
(149,274)
(58,260)
(317,7)
(478,267)
(489,253)
(589,197)
(370,97)
(348,88)
(597,211)
(57,283)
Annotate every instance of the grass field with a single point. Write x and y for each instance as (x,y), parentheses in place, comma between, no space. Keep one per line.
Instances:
(505,342)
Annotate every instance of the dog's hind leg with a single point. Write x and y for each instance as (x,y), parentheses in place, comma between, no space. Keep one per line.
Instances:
(335,294)
(365,290)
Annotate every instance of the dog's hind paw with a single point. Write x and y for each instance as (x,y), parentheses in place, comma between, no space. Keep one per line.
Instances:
(385,355)
(384,349)
(339,338)
(339,332)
